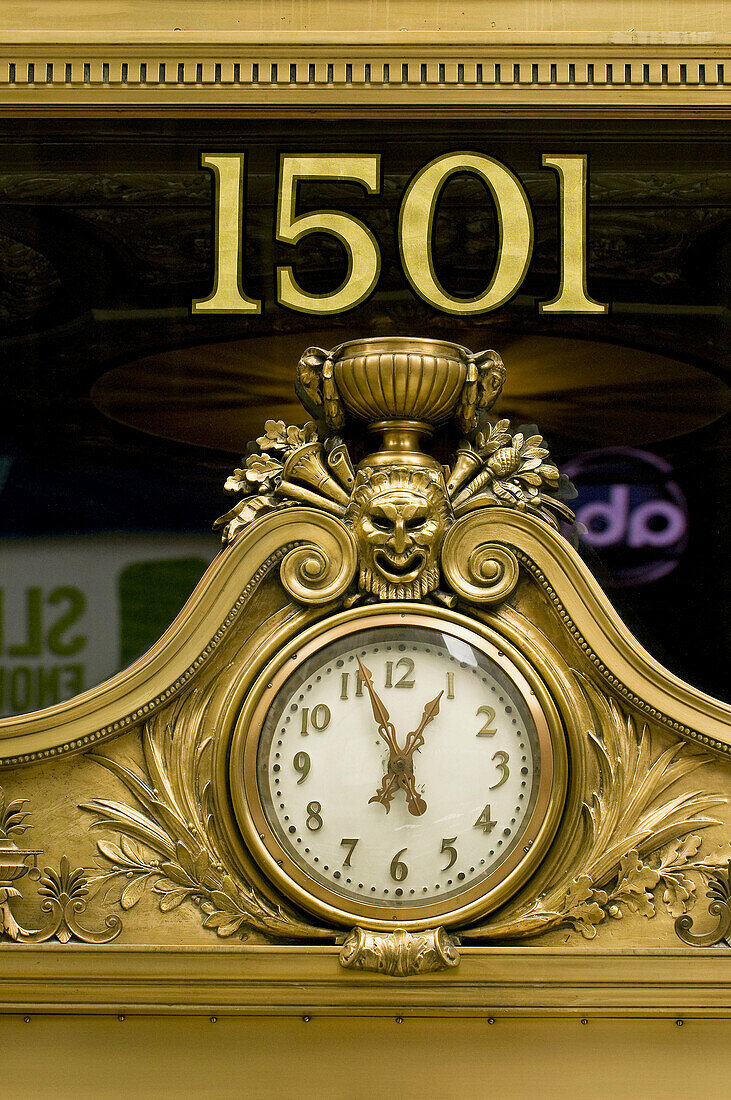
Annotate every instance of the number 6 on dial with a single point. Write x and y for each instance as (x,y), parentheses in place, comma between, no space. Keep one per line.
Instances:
(398,869)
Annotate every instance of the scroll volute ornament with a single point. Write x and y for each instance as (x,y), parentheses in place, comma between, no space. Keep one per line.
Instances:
(400,953)
(398,505)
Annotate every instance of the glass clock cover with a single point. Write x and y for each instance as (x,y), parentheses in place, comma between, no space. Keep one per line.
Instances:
(399,769)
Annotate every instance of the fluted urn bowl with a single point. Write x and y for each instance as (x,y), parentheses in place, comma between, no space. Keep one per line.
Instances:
(400,377)
(12,860)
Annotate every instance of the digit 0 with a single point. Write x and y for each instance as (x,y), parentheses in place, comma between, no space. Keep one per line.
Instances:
(318,717)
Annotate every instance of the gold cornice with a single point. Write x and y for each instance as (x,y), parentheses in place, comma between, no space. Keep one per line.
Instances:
(273,980)
(318,75)
(629,21)
(367,53)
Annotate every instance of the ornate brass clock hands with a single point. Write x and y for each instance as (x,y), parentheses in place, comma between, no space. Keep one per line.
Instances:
(400,772)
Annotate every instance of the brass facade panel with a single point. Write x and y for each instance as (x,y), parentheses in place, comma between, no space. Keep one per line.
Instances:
(335,1057)
(576,1005)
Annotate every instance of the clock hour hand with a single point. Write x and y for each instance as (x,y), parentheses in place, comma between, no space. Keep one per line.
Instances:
(414,801)
(392,781)
(402,765)
(386,791)
(400,772)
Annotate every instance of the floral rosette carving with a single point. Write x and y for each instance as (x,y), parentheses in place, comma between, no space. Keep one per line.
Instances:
(64,891)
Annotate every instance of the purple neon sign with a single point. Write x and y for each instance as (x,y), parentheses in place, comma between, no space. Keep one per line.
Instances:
(633,513)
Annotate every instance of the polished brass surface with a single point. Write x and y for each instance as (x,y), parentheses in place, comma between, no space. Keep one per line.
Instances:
(583,1005)
(632,823)
(401,386)
(282,981)
(330,1056)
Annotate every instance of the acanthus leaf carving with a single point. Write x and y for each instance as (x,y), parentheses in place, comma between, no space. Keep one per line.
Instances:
(170,845)
(638,846)
(65,890)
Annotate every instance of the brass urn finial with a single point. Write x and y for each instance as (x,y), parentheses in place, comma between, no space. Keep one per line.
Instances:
(402,387)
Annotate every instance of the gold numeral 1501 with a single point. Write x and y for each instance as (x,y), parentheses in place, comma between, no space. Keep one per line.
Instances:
(415,233)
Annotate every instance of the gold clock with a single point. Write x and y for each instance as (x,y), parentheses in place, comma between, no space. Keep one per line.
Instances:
(398,765)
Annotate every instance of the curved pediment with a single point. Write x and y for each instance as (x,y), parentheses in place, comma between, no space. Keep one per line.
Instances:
(453,582)
(167,668)
(590,621)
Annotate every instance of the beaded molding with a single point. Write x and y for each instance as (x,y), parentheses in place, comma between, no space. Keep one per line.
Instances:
(615,683)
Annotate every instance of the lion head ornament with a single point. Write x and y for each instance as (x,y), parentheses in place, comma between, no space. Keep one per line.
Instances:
(399,516)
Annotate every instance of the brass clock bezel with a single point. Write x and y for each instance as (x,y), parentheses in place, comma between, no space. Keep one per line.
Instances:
(292,880)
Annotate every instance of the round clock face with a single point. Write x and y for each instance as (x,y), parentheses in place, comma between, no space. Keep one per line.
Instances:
(397,768)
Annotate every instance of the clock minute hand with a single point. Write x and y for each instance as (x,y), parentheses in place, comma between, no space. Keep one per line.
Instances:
(415,739)
(399,773)
(380,713)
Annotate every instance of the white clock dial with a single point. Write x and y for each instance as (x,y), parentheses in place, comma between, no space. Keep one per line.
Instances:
(398,769)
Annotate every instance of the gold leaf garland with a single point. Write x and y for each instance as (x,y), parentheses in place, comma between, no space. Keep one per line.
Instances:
(638,846)
(171,845)
(634,841)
